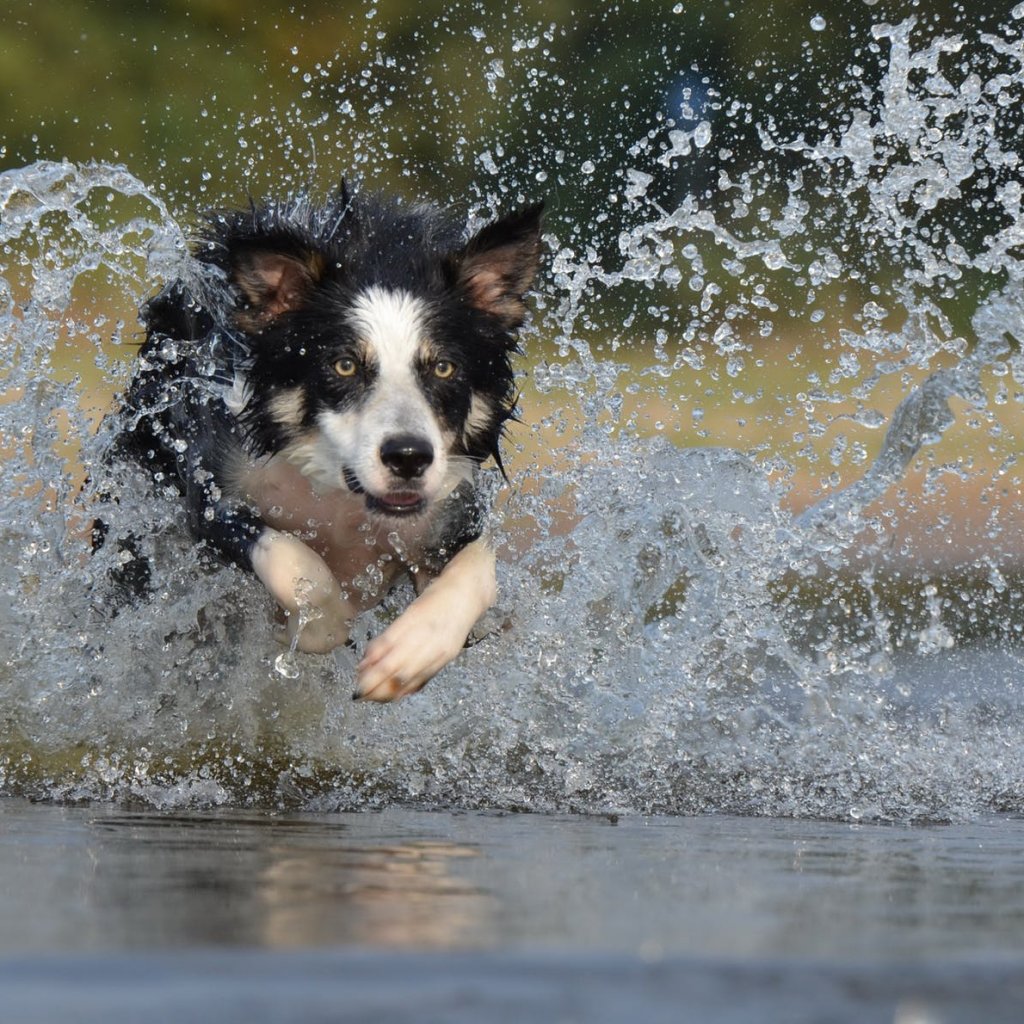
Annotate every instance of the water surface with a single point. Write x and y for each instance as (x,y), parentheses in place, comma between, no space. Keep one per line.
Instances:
(497,913)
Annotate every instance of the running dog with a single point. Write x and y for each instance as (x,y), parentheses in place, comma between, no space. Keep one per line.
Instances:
(322,389)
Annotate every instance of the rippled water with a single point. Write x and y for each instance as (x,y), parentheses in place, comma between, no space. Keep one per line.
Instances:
(104,880)
(673,636)
(108,914)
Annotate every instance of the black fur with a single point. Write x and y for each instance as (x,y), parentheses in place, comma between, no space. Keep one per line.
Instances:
(268,299)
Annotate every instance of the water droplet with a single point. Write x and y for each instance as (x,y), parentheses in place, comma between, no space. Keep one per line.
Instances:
(818,23)
(286,665)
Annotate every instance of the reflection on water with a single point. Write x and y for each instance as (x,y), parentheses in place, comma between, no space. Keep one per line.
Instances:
(400,895)
(79,878)
(280,882)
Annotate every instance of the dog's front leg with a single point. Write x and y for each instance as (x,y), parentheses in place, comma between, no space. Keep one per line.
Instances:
(432,630)
(302,584)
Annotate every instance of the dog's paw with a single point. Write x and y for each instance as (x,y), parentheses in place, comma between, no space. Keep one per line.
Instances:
(410,652)
(316,614)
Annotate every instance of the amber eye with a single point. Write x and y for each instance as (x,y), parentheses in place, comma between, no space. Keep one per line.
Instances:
(346,367)
(443,369)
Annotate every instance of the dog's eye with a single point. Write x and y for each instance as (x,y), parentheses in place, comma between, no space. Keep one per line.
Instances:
(443,369)
(346,367)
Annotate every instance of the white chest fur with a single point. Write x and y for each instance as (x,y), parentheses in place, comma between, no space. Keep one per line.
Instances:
(363,552)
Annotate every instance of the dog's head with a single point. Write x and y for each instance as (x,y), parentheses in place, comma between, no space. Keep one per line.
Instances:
(380,340)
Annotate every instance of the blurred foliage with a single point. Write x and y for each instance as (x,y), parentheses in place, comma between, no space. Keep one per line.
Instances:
(220,97)
(474,102)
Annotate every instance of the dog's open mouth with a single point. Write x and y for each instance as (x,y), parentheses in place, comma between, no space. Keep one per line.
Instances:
(396,503)
(393,503)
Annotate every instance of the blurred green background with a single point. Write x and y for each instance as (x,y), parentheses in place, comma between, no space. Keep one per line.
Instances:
(221,98)
(486,106)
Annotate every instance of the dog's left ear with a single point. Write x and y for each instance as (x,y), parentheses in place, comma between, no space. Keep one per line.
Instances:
(499,264)
(273,283)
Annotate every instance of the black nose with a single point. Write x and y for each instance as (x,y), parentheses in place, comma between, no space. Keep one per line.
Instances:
(407,456)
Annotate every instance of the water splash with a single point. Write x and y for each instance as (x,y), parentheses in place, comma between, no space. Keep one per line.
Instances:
(673,638)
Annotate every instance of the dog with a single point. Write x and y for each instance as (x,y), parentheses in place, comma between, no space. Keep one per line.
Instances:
(322,390)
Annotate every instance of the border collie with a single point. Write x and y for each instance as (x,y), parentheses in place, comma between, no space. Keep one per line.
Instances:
(322,390)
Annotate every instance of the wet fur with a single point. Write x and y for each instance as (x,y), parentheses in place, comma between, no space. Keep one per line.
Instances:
(323,390)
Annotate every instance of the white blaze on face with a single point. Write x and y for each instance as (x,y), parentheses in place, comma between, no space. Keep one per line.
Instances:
(391,326)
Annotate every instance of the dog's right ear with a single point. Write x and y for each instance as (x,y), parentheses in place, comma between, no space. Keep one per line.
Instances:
(273,283)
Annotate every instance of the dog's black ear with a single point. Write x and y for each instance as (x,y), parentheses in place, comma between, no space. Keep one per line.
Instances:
(499,264)
(273,283)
